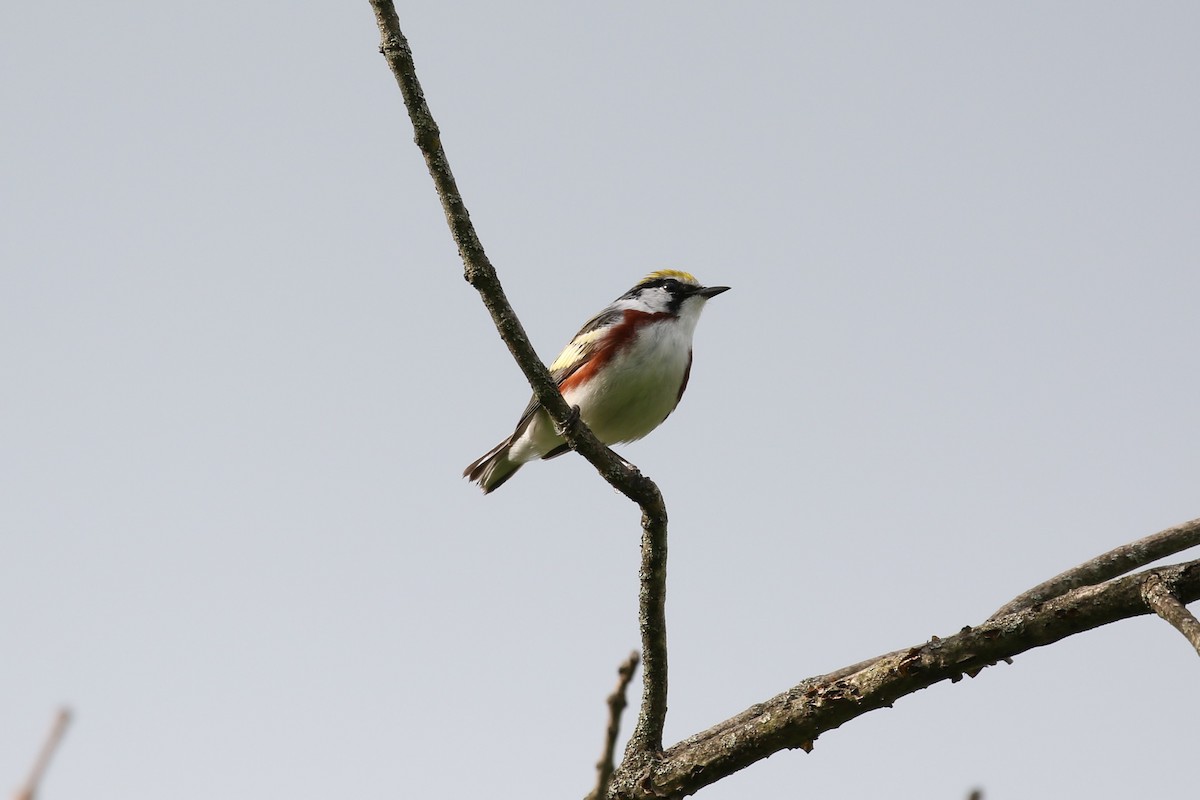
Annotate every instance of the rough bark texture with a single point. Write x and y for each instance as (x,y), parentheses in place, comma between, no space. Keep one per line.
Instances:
(797,717)
(1117,561)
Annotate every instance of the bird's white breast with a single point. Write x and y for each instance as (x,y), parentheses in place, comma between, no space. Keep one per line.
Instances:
(633,392)
(639,386)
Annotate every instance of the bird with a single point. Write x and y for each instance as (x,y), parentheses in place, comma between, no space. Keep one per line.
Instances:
(625,371)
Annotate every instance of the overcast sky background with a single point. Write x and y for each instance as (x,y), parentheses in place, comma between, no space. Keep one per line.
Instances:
(242,375)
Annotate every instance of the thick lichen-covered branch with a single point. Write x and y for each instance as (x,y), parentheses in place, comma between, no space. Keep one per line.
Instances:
(795,718)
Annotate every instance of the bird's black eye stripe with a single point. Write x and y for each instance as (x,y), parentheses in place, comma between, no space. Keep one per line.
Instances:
(676,289)
(670,284)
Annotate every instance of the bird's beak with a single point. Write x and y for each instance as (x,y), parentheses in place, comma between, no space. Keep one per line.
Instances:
(711,291)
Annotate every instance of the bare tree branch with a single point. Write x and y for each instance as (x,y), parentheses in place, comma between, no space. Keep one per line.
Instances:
(646,741)
(1118,561)
(616,705)
(627,479)
(1163,601)
(1065,605)
(53,739)
(797,717)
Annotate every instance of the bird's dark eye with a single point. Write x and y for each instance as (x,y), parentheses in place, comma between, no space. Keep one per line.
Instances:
(671,285)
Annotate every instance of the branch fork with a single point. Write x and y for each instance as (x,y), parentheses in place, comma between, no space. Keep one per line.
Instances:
(1085,597)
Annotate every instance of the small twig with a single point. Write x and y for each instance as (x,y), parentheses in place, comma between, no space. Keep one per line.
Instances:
(1117,561)
(646,742)
(53,738)
(616,705)
(1163,601)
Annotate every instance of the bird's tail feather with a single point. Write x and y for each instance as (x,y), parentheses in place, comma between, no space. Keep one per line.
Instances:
(493,468)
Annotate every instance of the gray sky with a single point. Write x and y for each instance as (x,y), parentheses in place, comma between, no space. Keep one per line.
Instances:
(242,375)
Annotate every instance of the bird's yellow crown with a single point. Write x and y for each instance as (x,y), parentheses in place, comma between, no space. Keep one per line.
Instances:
(678,275)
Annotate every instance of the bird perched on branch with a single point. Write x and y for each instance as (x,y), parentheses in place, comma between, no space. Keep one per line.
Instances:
(626,370)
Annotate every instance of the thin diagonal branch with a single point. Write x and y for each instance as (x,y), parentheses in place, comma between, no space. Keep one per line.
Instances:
(478,271)
(616,705)
(797,717)
(1163,601)
(1117,561)
(53,739)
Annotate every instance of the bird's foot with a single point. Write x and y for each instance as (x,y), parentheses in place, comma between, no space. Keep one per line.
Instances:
(570,422)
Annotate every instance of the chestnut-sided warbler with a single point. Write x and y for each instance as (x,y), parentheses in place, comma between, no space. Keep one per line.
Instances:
(626,370)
